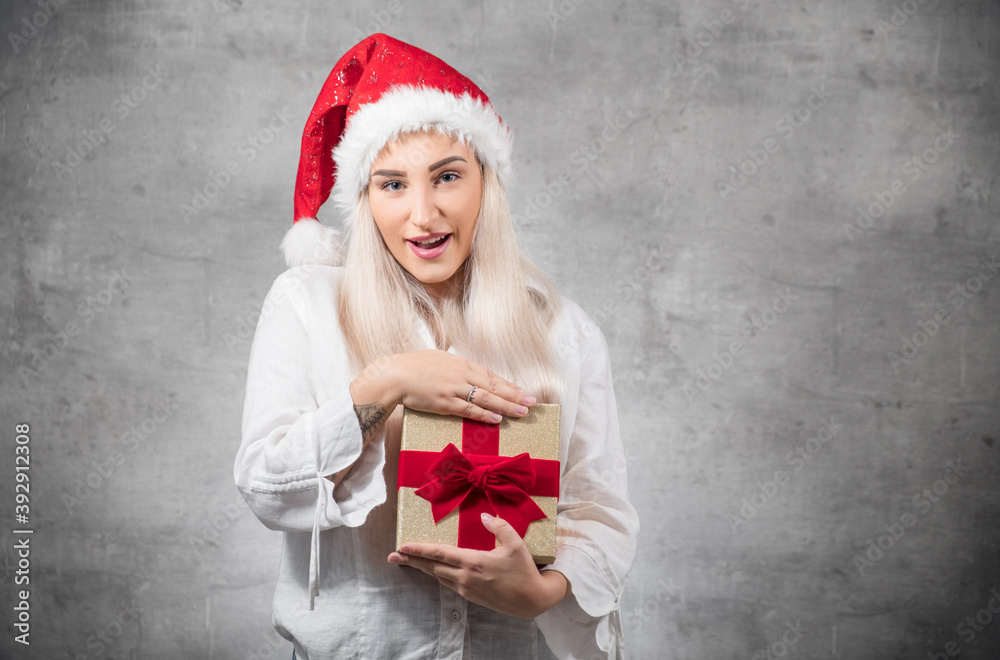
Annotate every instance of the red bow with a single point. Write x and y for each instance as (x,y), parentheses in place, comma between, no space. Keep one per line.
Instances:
(502,482)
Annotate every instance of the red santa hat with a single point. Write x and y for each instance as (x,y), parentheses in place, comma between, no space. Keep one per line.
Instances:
(380,89)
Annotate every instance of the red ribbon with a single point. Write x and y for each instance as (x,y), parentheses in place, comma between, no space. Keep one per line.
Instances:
(478,480)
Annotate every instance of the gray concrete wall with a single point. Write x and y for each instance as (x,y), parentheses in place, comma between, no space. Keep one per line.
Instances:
(794,488)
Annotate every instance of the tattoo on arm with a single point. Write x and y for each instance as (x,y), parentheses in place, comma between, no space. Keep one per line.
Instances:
(370,416)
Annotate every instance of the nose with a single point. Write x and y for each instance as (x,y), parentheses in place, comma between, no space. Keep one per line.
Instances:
(423,209)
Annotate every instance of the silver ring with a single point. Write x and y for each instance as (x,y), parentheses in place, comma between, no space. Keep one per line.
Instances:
(471,392)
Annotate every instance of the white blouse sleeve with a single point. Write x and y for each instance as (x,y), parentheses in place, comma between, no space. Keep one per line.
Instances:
(292,440)
(597,526)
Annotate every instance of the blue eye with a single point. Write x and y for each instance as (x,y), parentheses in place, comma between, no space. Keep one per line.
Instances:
(392,186)
(448,177)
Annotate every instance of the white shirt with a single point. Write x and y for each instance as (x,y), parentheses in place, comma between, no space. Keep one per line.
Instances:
(337,597)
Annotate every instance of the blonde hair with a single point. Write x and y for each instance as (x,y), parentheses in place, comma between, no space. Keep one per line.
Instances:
(500,318)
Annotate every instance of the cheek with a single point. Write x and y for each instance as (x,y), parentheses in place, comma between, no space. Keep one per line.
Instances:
(470,208)
(379,224)
(386,220)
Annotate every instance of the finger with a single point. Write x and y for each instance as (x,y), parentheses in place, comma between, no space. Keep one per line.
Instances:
(473,411)
(497,403)
(430,567)
(496,384)
(500,397)
(444,554)
(506,535)
(418,563)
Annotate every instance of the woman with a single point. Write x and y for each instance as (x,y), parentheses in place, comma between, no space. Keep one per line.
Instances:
(429,303)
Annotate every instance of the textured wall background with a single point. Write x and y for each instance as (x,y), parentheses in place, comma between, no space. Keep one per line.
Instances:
(693,174)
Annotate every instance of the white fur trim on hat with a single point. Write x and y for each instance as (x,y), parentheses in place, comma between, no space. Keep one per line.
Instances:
(405,109)
(311,242)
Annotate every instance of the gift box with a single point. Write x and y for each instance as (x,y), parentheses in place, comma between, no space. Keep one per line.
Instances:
(453,469)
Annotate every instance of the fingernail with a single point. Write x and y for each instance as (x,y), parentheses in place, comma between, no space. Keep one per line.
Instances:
(393,559)
(486,517)
(521,410)
(528,400)
(496,418)
(405,550)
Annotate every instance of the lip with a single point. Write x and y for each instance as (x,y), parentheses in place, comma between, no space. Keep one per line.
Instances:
(427,237)
(432,253)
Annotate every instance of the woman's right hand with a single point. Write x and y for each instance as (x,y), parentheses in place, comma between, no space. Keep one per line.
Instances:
(433,381)
(439,382)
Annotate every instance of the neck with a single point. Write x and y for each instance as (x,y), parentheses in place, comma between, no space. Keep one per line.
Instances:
(450,288)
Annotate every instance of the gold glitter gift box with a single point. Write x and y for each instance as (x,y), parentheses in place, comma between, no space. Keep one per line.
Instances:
(462,468)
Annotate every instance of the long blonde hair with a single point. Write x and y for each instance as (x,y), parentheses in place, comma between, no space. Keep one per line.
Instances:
(501,319)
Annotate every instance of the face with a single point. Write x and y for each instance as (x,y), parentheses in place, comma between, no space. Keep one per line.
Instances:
(425,192)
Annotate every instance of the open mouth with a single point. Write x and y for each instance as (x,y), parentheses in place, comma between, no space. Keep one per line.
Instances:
(431,243)
(432,247)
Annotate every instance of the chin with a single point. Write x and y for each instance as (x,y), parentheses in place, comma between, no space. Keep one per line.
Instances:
(432,277)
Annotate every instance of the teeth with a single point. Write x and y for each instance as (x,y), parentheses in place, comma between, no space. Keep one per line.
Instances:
(430,240)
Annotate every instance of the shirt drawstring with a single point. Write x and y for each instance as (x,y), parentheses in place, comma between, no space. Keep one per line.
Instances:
(616,627)
(314,542)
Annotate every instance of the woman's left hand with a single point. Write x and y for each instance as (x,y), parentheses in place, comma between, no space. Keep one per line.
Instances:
(504,579)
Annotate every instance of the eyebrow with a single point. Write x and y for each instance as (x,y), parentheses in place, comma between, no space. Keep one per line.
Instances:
(430,168)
